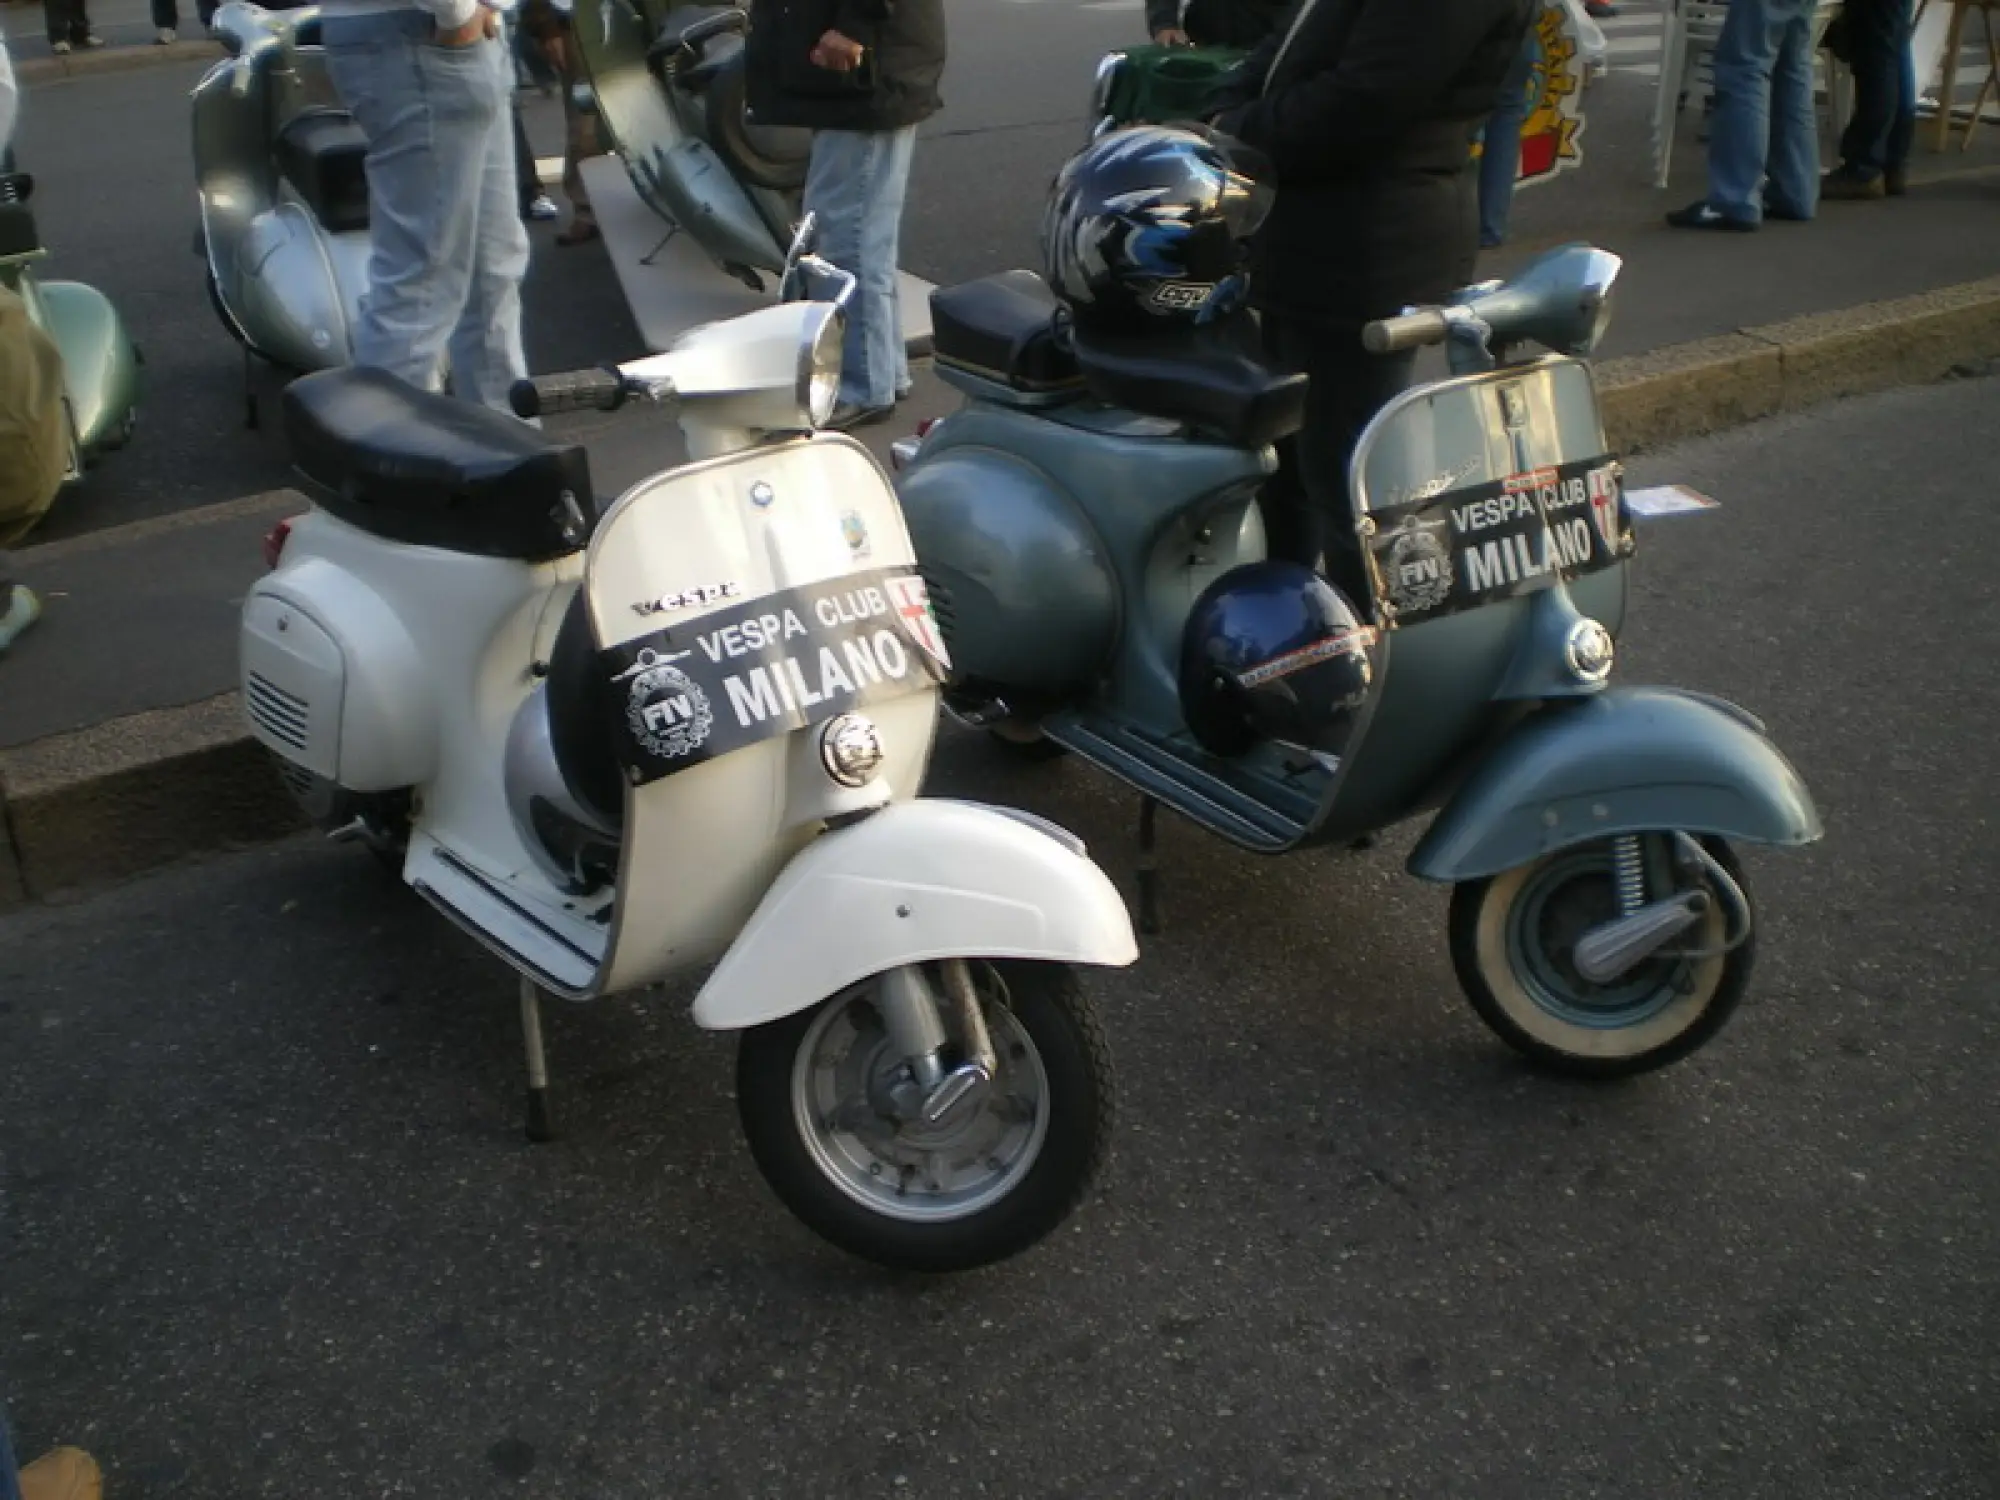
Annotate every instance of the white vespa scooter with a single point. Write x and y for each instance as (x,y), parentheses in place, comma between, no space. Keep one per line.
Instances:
(619,744)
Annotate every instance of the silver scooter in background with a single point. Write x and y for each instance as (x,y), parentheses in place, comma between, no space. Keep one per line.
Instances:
(284,193)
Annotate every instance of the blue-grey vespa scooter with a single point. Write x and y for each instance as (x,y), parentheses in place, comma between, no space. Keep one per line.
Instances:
(1071,515)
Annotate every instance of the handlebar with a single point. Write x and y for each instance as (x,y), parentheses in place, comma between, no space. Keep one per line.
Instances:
(601,389)
(1412,330)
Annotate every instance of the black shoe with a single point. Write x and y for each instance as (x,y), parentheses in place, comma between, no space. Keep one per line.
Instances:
(1598,10)
(849,415)
(1705,215)
(1844,186)
(1896,182)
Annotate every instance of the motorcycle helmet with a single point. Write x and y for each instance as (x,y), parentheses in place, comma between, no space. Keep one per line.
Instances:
(1145,228)
(1272,651)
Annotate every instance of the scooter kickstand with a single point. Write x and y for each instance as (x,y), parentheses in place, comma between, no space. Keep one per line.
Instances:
(1149,872)
(539,1126)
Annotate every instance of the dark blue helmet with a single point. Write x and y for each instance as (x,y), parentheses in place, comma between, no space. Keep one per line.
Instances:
(1272,651)
(1146,226)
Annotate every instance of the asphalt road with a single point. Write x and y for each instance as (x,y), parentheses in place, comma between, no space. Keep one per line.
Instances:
(116,202)
(270,1229)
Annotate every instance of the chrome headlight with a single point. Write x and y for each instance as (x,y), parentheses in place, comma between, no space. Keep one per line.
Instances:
(850,747)
(819,363)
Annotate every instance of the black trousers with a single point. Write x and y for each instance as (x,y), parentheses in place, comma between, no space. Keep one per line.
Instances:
(524,162)
(68,21)
(167,13)
(1308,513)
(1878,137)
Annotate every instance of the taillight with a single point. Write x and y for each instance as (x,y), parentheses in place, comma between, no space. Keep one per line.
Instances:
(274,543)
(924,427)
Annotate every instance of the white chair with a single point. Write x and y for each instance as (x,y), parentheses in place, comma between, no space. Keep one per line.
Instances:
(1954,46)
(1687,41)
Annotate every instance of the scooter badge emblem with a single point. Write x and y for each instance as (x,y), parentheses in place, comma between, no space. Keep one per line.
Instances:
(855,530)
(1604,503)
(1513,407)
(761,495)
(1416,567)
(913,603)
(666,709)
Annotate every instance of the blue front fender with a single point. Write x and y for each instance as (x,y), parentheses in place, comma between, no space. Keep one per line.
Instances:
(1629,760)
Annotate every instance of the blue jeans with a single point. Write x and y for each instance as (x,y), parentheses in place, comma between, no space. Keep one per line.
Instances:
(10,1470)
(856,185)
(1500,158)
(446,246)
(1878,138)
(1764,124)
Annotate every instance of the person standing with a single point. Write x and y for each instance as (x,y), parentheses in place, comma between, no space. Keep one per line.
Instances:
(1213,23)
(1875,146)
(167,19)
(33,426)
(1367,110)
(69,26)
(861,75)
(430,84)
(547,23)
(1763,141)
(1500,155)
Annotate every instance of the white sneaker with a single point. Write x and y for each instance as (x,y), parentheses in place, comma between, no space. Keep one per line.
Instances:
(22,610)
(61,49)
(166,37)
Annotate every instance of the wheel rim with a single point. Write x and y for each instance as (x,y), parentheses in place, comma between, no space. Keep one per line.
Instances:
(1527,944)
(907,1171)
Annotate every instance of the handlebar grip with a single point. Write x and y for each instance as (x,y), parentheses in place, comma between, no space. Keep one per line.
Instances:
(573,390)
(1410,331)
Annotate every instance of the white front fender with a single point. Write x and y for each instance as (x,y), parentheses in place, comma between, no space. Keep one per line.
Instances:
(917,881)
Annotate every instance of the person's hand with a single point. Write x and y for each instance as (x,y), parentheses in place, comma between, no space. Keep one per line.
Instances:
(483,26)
(556,50)
(1171,36)
(840,54)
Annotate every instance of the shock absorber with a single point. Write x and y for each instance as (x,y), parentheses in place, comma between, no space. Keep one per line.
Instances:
(1631,873)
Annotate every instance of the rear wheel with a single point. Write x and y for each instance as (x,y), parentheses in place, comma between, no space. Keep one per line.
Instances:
(816,1093)
(1514,943)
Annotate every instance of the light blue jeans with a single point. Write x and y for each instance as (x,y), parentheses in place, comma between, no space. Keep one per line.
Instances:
(1764,124)
(856,185)
(447,249)
(1500,156)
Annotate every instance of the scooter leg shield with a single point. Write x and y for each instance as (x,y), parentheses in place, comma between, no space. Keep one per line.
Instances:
(1629,760)
(100,364)
(913,883)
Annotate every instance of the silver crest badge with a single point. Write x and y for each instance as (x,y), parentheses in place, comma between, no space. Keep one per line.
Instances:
(666,709)
(1416,566)
(761,495)
(1513,407)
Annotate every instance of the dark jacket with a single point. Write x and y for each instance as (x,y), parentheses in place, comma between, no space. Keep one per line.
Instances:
(1369,122)
(895,86)
(1218,23)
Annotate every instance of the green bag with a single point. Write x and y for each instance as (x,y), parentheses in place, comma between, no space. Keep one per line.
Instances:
(34,423)
(1164,85)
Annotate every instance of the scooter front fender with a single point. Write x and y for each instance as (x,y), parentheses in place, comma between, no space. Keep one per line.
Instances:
(1629,760)
(915,882)
(100,364)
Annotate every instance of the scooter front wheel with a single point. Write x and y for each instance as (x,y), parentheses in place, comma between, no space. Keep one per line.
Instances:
(1515,939)
(824,1101)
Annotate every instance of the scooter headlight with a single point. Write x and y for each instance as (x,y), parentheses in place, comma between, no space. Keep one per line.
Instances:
(850,747)
(819,363)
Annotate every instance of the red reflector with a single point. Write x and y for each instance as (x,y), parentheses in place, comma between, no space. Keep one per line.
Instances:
(274,543)
(924,427)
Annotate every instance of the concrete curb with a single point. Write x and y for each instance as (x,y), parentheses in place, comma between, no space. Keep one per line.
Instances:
(103,804)
(128,59)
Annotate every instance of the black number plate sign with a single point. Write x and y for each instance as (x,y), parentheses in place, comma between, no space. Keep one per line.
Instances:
(687,694)
(1489,542)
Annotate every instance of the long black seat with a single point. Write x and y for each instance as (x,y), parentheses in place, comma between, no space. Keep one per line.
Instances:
(324,156)
(425,469)
(1002,328)
(1214,378)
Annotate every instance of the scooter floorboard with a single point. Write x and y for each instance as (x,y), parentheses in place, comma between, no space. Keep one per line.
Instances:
(675,287)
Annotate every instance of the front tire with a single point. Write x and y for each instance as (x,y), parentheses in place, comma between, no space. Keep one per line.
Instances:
(972,1193)
(1513,940)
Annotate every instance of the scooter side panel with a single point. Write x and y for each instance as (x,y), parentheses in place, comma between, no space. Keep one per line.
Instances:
(100,364)
(290,300)
(703,844)
(1629,760)
(928,880)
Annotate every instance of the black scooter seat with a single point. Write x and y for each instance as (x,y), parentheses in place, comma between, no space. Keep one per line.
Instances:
(1213,377)
(691,64)
(1003,328)
(324,156)
(431,471)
